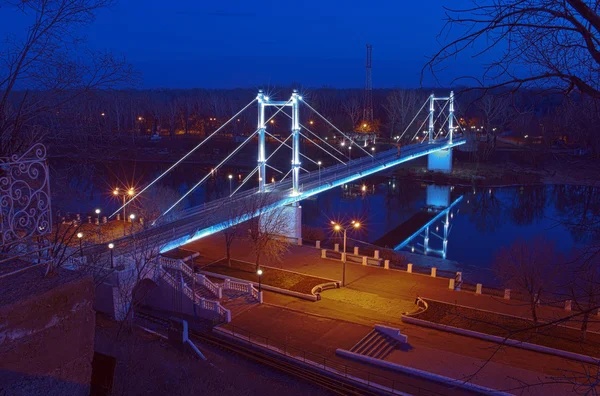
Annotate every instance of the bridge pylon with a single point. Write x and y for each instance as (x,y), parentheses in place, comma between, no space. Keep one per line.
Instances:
(262,175)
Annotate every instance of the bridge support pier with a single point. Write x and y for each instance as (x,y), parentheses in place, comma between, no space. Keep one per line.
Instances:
(440,161)
(293,221)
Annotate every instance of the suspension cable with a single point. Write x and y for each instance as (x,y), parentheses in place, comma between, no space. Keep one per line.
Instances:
(414,118)
(321,139)
(307,138)
(184,157)
(218,166)
(337,129)
(288,146)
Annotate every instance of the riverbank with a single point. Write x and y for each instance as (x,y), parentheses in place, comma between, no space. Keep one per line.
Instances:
(499,172)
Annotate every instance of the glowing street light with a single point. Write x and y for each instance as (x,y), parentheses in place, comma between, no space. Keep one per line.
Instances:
(230,177)
(129,193)
(259,272)
(111,246)
(132,218)
(80,236)
(339,227)
(319,163)
(311,122)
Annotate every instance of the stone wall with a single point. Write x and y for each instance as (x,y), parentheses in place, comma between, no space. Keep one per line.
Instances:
(46,334)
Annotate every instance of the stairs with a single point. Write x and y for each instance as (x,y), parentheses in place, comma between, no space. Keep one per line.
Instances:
(375,345)
(199,289)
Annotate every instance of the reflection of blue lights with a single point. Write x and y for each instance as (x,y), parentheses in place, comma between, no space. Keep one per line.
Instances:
(420,230)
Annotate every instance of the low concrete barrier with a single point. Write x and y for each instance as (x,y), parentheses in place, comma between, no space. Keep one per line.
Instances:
(420,373)
(502,340)
(392,332)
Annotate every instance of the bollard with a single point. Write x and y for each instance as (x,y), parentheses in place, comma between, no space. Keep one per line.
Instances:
(451,284)
(567,305)
(336,247)
(364,260)
(324,253)
(409,268)
(260,297)
(507,294)
(318,244)
(299,241)
(356,250)
(376,254)
(104,219)
(89,219)
(118,216)
(386,264)
(433,272)
(96,221)
(478,288)
(343,257)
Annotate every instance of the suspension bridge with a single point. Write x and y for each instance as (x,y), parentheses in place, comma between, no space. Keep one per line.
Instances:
(173,229)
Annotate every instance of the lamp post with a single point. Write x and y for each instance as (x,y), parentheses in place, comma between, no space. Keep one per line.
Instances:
(132,217)
(129,193)
(259,272)
(319,163)
(230,181)
(111,246)
(339,227)
(80,236)
(98,214)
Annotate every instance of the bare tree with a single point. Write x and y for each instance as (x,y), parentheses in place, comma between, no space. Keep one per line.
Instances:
(401,106)
(352,108)
(496,111)
(542,43)
(41,68)
(267,230)
(584,285)
(530,268)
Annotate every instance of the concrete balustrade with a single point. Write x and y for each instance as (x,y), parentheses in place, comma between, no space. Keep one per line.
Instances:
(364,260)
(336,247)
(376,254)
(318,244)
(343,257)
(451,284)
(433,272)
(356,250)
(324,253)
(409,268)
(478,288)
(386,264)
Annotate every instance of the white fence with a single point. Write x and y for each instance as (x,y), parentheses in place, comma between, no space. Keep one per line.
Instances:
(244,287)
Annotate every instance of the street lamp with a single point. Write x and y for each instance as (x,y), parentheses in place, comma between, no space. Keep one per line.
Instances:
(259,272)
(132,217)
(339,227)
(129,193)
(98,214)
(230,180)
(80,236)
(111,246)
(319,163)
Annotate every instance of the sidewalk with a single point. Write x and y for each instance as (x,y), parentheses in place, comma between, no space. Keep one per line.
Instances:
(389,292)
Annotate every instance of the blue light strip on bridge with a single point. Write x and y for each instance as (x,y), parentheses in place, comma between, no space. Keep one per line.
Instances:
(292,199)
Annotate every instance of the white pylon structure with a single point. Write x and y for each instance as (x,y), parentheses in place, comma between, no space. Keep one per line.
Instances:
(294,103)
(451,117)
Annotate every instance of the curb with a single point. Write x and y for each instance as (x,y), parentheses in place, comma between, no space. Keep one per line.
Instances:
(502,340)
(420,373)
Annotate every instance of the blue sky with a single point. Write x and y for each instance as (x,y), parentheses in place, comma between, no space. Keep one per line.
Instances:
(184,43)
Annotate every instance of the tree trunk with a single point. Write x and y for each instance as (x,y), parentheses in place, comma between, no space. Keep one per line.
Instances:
(534,310)
(584,325)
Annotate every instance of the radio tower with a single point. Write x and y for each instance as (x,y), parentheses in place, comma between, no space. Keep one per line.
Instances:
(368,109)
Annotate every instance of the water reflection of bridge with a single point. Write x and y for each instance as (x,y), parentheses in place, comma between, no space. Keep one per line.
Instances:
(439,208)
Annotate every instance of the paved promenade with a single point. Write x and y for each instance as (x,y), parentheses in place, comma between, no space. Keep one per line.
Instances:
(378,296)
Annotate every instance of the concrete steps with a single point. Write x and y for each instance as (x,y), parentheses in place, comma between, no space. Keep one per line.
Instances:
(200,290)
(375,344)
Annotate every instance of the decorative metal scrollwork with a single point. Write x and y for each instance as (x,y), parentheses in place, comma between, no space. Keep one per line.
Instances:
(25,207)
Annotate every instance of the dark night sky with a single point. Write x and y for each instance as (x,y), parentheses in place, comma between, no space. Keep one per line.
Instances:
(185,43)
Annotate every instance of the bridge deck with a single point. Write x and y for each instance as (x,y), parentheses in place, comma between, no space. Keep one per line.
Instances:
(214,216)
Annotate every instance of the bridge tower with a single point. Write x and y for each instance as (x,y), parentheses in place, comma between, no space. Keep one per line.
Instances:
(262,175)
(440,161)
(295,142)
